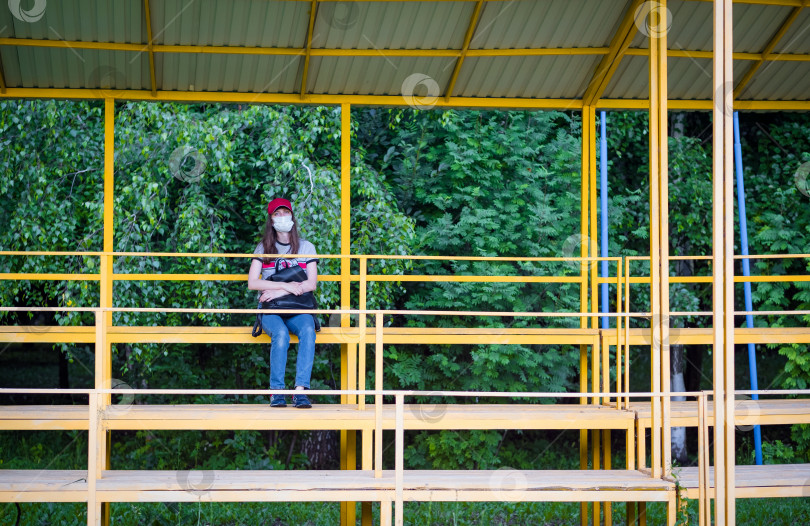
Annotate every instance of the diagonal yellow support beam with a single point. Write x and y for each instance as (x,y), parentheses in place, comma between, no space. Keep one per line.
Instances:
(794,14)
(150,46)
(467,38)
(610,62)
(308,52)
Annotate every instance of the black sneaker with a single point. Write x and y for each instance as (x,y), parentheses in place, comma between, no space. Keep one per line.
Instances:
(301,401)
(278,401)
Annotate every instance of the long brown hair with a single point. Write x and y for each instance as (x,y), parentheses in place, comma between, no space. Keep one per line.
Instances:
(270,238)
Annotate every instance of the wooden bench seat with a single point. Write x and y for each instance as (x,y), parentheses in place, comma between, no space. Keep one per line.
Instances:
(746,412)
(44,417)
(335,485)
(320,416)
(754,482)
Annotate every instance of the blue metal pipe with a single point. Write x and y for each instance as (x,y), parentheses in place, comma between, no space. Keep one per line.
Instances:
(749,319)
(603,195)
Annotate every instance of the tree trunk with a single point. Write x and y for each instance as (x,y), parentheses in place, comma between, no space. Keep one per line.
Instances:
(321,448)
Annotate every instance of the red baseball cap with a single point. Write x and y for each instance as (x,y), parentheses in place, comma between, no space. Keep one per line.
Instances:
(275,204)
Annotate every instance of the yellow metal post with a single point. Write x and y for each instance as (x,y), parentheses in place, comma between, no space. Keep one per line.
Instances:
(106,285)
(348,442)
(655,256)
(659,239)
(722,264)
(583,297)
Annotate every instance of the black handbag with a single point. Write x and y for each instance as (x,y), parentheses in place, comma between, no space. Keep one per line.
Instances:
(291,273)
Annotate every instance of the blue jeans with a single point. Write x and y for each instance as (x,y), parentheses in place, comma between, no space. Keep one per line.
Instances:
(303,326)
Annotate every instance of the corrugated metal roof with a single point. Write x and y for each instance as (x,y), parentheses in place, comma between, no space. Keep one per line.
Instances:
(387,25)
(526,76)
(548,24)
(797,38)
(391,25)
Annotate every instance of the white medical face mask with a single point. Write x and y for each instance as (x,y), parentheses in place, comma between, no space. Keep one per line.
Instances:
(283,223)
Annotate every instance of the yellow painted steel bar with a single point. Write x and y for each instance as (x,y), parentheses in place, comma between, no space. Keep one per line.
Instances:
(399,450)
(361,329)
(464,48)
(49,277)
(385,100)
(655,255)
(583,297)
(150,46)
(722,251)
(619,340)
(659,38)
(313,7)
(284,98)
(347,442)
(607,66)
(627,335)
(378,386)
(766,53)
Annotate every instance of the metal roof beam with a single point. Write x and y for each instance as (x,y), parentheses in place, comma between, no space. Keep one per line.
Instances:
(618,45)
(794,14)
(308,52)
(322,52)
(150,45)
(387,100)
(467,39)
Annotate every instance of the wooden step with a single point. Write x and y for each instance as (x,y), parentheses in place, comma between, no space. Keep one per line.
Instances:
(33,485)
(754,482)
(746,413)
(320,416)
(334,485)
(44,417)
